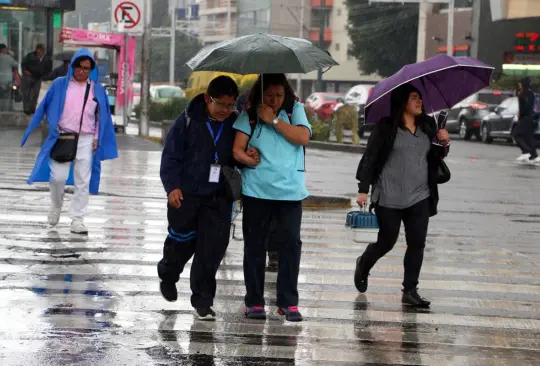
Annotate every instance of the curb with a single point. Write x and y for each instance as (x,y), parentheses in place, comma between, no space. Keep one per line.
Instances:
(313,145)
(152,139)
(331,146)
(14,119)
(326,202)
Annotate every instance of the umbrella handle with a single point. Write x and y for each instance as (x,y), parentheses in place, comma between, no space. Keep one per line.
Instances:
(430,105)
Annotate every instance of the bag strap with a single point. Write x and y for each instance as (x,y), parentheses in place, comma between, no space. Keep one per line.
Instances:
(88,84)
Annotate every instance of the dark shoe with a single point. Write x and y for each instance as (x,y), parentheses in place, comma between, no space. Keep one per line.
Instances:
(414,299)
(206,313)
(168,291)
(360,279)
(291,314)
(255,312)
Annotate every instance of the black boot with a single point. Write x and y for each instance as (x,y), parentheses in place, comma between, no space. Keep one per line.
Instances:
(360,277)
(414,299)
(168,291)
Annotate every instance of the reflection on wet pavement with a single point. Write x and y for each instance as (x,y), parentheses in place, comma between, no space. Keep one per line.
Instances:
(94,300)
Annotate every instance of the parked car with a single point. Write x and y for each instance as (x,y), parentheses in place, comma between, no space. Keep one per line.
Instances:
(323,104)
(501,122)
(158,93)
(358,95)
(164,93)
(466,117)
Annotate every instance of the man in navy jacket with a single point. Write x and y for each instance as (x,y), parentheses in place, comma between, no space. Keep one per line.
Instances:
(199,210)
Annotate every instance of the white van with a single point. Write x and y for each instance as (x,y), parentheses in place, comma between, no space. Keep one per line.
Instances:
(358,94)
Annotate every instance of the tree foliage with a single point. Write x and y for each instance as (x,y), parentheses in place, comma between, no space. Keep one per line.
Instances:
(186,47)
(384,36)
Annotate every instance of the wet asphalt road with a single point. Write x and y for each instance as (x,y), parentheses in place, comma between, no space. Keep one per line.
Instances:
(93,300)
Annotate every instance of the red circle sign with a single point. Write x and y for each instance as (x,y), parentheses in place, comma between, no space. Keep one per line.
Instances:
(129,13)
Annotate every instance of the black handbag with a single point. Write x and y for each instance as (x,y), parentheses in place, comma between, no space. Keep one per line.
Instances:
(443,172)
(65,148)
(233,182)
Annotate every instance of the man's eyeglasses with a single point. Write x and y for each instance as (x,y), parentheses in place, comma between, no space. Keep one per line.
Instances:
(223,106)
(83,69)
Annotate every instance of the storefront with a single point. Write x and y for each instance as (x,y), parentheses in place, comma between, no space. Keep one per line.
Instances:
(26,23)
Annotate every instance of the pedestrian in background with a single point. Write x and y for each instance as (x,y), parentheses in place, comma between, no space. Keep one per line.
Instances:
(276,125)
(527,124)
(401,164)
(75,106)
(35,65)
(199,210)
(8,70)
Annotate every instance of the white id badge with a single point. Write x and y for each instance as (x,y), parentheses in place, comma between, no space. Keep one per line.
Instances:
(215,171)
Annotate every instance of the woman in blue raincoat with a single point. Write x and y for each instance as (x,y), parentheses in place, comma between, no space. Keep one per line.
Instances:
(66,111)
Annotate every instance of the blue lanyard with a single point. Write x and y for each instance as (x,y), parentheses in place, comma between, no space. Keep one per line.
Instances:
(215,138)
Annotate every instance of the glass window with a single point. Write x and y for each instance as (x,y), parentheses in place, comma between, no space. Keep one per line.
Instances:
(514,106)
(20,31)
(167,93)
(506,103)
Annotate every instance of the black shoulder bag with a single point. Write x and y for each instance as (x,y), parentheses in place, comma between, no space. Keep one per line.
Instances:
(65,148)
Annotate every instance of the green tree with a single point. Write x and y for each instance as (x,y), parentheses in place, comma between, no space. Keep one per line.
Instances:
(384,36)
(186,47)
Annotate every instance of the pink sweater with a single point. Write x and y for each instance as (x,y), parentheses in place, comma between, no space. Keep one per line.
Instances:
(71,115)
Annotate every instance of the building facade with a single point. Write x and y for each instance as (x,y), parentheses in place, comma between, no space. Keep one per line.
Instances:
(333,16)
(217,20)
(27,23)
(285,17)
(433,29)
(510,44)
(494,31)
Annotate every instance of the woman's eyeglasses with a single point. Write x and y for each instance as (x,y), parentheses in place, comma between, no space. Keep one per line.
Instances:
(83,69)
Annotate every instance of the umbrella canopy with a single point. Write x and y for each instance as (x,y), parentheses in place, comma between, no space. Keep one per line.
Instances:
(262,53)
(443,81)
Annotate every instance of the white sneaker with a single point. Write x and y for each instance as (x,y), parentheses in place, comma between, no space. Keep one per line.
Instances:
(535,161)
(77,227)
(523,157)
(54,216)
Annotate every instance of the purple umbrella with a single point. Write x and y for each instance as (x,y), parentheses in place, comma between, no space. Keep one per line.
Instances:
(443,81)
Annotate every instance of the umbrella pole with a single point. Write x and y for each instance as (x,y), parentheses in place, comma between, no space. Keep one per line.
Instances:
(425,97)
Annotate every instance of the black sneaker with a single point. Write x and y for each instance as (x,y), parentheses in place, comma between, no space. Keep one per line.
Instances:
(255,312)
(360,279)
(206,313)
(168,291)
(292,314)
(414,299)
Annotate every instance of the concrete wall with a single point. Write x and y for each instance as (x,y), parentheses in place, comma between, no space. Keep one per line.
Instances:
(496,38)
(437,26)
(514,9)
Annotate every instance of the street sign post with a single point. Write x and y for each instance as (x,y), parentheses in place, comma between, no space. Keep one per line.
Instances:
(130,13)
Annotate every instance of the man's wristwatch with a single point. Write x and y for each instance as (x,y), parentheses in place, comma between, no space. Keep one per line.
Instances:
(275,121)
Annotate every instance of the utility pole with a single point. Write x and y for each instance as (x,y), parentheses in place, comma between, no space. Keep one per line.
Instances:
(125,70)
(301,36)
(229,20)
(321,44)
(450,35)
(145,69)
(173,46)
